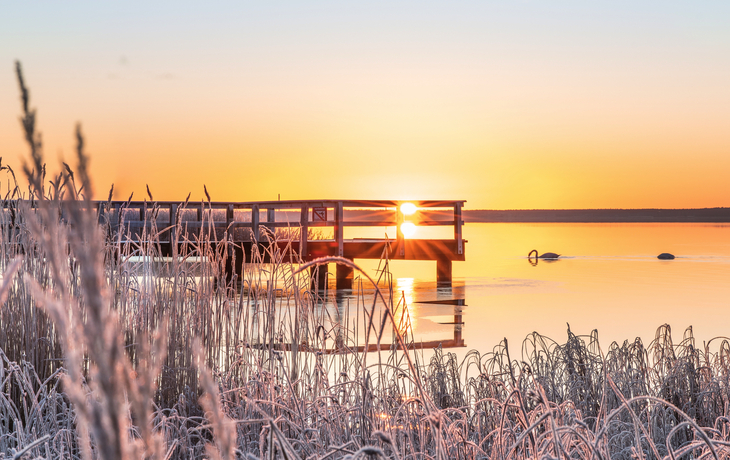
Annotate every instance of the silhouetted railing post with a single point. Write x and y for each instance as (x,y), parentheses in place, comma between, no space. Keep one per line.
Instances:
(255,222)
(229,217)
(339,228)
(304,230)
(173,223)
(117,217)
(100,212)
(458,224)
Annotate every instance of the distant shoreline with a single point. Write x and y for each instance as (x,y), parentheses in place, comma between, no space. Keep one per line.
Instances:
(699,215)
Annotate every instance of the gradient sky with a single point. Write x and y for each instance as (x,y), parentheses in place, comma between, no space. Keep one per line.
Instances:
(520,104)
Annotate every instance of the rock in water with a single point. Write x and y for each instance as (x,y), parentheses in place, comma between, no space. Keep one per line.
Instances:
(665,256)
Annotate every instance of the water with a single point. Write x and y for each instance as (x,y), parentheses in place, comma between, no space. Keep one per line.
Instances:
(608,278)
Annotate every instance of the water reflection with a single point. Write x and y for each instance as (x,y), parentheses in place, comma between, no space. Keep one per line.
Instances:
(406,312)
(612,281)
(425,323)
(458,322)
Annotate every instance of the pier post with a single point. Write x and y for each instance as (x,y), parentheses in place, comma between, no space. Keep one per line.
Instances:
(101,212)
(229,217)
(172,233)
(344,276)
(339,230)
(304,230)
(117,220)
(458,223)
(255,223)
(443,271)
(318,274)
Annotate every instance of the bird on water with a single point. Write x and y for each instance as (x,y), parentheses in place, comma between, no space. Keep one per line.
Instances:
(547,255)
(665,256)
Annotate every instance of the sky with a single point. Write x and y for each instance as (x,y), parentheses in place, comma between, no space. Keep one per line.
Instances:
(508,105)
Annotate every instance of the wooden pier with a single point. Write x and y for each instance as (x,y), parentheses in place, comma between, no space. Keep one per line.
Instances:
(309,228)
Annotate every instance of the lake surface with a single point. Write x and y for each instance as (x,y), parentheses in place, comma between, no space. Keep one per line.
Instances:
(608,278)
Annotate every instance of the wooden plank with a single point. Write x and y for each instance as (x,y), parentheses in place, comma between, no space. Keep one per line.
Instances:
(433,223)
(193,224)
(330,223)
(372,223)
(238,223)
(297,204)
(413,250)
(354,249)
(373,347)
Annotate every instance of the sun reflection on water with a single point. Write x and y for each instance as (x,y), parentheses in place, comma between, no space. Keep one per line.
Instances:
(406,309)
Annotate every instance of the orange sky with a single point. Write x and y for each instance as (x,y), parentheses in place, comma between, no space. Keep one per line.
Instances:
(522,105)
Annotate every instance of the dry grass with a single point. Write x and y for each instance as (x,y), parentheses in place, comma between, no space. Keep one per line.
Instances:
(108,350)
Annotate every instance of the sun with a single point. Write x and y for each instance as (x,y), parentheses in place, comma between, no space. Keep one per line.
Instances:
(408,208)
(408,229)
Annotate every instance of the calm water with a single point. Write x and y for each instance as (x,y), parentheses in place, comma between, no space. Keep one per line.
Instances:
(608,278)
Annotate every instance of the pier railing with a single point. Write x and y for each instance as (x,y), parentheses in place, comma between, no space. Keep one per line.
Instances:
(263,214)
(246,223)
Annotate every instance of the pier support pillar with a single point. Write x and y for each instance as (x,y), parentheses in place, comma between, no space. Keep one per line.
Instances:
(318,274)
(443,271)
(345,276)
